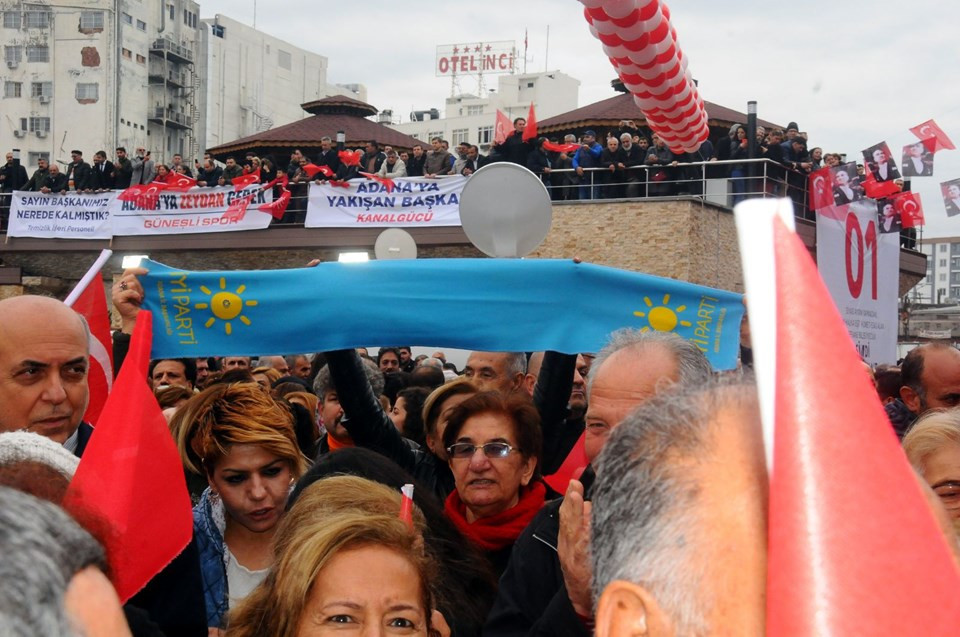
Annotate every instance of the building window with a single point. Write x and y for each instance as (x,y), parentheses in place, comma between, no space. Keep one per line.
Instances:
(474,109)
(173,11)
(943,277)
(434,133)
(39,124)
(141,25)
(459,136)
(36,19)
(12,89)
(34,158)
(127,18)
(41,89)
(11,19)
(12,54)
(284,59)
(217,30)
(127,53)
(485,134)
(91,19)
(943,263)
(529,84)
(88,91)
(38,54)
(141,59)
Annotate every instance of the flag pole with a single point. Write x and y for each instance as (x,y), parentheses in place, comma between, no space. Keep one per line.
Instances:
(88,277)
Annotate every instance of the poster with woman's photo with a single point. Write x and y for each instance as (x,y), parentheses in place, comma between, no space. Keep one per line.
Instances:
(879,162)
(846,186)
(951,196)
(917,161)
(888,217)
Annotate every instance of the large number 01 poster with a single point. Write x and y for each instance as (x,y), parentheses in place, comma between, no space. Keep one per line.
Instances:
(859,262)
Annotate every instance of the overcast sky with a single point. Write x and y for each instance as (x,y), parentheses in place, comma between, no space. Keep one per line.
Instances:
(849,78)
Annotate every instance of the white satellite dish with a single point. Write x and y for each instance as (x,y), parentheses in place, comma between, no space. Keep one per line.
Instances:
(505,210)
(394,243)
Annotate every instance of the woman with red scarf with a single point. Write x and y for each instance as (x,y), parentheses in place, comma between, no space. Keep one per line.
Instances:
(493,444)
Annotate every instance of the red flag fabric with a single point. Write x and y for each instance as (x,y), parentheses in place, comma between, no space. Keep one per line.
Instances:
(502,128)
(560,148)
(313,169)
(92,305)
(144,196)
(878,189)
(530,131)
(349,157)
(933,136)
(842,561)
(180,183)
(327,172)
(386,181)
(131,477)
(821,192)
(241,182)
(238,209)
(910,208)
(278,207)
(571,469)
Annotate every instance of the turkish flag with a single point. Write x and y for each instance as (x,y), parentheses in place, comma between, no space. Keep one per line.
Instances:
(530,131)
(878,189)
(571,469)
(933,137)
(131,477)
(349,157)
(841,560)
(502,128)
(386,181)
(910,208)
(821,193)
(241,182)
(144,196)
(180,183)
(313,169)
(92,305)
(560,148)
(278,207)
(238,209)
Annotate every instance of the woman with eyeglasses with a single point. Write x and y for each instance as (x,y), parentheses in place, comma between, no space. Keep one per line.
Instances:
(493,445)
(932,446)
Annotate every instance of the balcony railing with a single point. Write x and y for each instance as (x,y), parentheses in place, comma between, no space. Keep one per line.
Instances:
(171,50)
(169,117)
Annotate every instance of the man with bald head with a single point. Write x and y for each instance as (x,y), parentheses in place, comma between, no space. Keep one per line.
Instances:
(930,379)
(44,357)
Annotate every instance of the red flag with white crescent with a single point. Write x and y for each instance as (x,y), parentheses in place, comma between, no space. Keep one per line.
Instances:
(840,561)
(910,208)
(386,181)
(502,128)
(278,207)
(241,182)
(530,131)
(92,305)
(144,196)
(350,157)
(180,183)
(560,148)
(933,137)
(821,192)
(238,209)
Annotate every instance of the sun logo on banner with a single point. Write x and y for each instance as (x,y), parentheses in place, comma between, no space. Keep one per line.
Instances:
(662,318)
(225,306)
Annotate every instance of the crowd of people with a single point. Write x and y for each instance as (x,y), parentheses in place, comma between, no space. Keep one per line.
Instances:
(295,463)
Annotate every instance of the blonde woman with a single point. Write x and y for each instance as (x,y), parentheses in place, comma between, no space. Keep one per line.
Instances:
(243,442)
(933,447)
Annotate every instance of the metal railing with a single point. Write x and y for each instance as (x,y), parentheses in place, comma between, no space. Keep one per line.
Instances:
(163,45)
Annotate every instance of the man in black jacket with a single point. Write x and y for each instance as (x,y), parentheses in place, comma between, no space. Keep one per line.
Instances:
(36,180)
(13,176)
(55,181)
(513,148)
(78,171)
(417,159)
(101,173)
(328,157)
(546,587)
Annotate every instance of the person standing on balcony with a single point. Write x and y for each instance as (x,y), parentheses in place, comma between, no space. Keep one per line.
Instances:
(587,156)
(122,170)
(144,168)
(78,171)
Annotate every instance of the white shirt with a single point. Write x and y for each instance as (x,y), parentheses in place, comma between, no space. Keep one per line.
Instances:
(240,580)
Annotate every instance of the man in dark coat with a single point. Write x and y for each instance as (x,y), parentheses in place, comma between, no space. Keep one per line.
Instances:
(13,176)
(101,173)
(36,180)
(513,148)
(78,171)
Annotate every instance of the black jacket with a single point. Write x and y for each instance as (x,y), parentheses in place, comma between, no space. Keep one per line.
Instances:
(329,159)
(370,427)
(14,177)
(101,179)
(123,170)
(80,174)
(415,166)
(55,184)
(515,150)
(537,161)
(36,180)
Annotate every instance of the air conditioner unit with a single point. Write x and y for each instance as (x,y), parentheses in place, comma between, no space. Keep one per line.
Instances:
(19,133)
(12,64)
(44,99)
(41,134)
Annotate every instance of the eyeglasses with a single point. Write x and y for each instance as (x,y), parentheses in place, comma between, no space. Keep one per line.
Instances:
(492,450)
(949,494)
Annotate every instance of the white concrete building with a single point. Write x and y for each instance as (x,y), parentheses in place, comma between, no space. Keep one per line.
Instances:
(96,74)
(253,81)
(471,118)
(942,282)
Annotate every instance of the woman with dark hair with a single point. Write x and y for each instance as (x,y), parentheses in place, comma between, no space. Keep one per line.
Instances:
(464,582)
(493,444)
(407,413)
(243,442)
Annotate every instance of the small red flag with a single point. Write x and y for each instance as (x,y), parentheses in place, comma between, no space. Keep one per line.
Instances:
(313,169)
(386,181)
(530,131)
(933,136)
(278,207)
(238,209)
(180,183)
(131,477)
(502,128)
(571,469)
(92,305)
(878,189)
(560,148)
(349,157)
(241,182)
(144,196)
(821,194)
(910,208)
